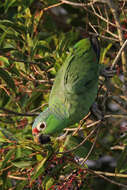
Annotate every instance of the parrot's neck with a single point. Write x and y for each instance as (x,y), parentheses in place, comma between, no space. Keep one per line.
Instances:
(56,120)
(59,111)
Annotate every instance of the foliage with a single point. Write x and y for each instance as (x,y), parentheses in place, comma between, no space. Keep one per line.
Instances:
(35,37)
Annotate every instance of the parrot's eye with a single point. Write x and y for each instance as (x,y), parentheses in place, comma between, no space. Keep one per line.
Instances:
(41,126)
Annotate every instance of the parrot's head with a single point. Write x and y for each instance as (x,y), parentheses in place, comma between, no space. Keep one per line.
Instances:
(47,124)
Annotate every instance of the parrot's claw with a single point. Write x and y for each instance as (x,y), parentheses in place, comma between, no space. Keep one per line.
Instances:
(107,72)
(62,137)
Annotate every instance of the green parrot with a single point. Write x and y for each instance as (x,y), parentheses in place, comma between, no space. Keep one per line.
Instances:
(73,92)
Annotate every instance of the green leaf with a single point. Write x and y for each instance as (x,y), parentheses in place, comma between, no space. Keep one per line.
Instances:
(48,182)
(23,164)
(5,50)
(7,157)
(105,51)
(4,60)
(72,141)
(7,134)
(4,98)
(21,185)
(18,152)
(2,137)
(8,3)
(5,24)
(34,98)
(42,165)
(7,78)
(40,169)
(39,157)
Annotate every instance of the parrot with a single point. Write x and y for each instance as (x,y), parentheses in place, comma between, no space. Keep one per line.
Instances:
(73,92)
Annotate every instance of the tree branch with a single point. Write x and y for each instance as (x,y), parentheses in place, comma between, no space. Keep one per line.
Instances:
(107,179)
(114,10)
(76,147)
(10,112)
(118,55)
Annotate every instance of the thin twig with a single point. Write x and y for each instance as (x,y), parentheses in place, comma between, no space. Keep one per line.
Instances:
(76,4)
(117,116)
(80,124)
(102,36)
(107,179)
(40,107)
(10,112)
(82,4)
(118,55)
(111,174)
(102,18)
(117,147)
(93,27)
(108,31)
(87,126)
(114,10)
(91,149)
(18,178)
(52,6)
(76,147)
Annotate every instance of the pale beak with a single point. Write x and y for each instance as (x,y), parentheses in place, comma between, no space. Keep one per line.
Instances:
(40,138)
(36,139)
(35,133)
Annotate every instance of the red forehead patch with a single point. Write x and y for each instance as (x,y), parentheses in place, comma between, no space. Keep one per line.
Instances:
(35,131)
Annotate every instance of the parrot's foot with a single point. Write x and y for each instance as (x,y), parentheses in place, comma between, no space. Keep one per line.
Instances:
(62,137)
(107,72)
(97,112)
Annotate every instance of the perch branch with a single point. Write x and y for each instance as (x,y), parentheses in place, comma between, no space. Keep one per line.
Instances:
(107,179)
(76,147)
